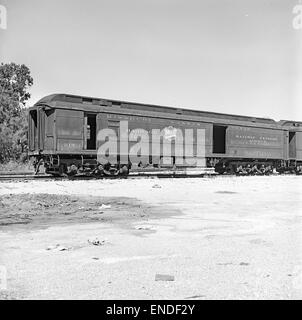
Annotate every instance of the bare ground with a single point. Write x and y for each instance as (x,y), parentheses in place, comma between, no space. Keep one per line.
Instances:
(44,210)
(221,238)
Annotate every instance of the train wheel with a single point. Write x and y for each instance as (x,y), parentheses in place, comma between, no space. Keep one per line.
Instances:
(111,171)
(73,170)
(98,171)
(124,170)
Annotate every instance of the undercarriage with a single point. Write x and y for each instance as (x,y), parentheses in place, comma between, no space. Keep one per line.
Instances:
(70,165)
(256,166)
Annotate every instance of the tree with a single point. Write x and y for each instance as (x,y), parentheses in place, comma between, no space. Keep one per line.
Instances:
(15,81)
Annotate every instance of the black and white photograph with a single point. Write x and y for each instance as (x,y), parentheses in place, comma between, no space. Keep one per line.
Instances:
(150,150)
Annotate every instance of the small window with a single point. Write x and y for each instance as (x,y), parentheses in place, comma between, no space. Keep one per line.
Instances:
(33,115)
(219,139)
(49,126)
(87,100)
(113,123)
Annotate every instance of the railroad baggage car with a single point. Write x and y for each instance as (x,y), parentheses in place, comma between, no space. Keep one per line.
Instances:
(63,136)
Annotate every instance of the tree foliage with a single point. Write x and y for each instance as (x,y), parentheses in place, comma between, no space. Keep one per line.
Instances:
(15,81)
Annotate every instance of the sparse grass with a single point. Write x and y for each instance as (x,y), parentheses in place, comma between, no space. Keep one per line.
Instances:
(14,166)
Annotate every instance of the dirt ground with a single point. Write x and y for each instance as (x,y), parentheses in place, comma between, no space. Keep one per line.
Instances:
(219,238)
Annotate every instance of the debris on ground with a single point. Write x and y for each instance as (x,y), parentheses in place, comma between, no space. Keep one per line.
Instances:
(52,247)
(144,227)
(58,247)
(164,277)
(96,242)
(62,248)
(156,186)
(45,205)
(105,206)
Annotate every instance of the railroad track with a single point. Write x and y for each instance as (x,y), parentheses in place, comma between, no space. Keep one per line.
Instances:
(4,176)
(208,172)
(21,176)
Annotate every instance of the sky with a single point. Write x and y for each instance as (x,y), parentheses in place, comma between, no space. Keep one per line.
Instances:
(229,56)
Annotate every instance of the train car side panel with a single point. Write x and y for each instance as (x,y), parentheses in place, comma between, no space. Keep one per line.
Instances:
(138,125)
(69,130)
(299,146)
(248,142)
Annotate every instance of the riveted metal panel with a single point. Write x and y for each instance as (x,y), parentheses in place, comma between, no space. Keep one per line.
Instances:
(69,130)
